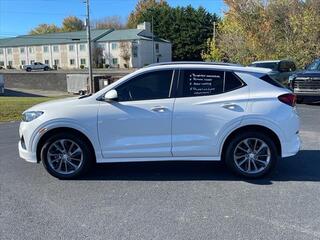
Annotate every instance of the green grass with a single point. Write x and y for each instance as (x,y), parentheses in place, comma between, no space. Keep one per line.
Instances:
(12,107)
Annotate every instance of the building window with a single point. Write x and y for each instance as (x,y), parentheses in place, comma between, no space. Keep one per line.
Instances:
(1,63)
(56,48)
(22,50)
(135,51)
(9,51)
(82,47)
(56,62)
(114,46)
(23,62)
(31,61)
(72,61)
(71,48)
(46,62)
(10,63)
(45,49)
(30,49)
(157,47)
(114,61)
(83,61)
(1,51)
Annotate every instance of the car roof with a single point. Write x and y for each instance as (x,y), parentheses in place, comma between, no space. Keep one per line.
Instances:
(267,61)
(204,65)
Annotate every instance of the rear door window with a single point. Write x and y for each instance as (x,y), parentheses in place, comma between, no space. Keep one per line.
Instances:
(204,82)
(195,83)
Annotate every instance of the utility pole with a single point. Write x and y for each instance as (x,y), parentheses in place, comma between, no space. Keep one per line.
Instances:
(152,39)
(89,46)
(214,31)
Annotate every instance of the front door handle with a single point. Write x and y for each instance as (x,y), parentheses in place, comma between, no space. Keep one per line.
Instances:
(229,106)
(159,109)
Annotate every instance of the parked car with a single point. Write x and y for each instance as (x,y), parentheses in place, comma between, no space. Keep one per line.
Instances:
(198,112)
(36,66)
(281,69)
(307,83)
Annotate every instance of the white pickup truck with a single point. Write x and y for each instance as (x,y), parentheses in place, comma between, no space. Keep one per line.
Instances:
(36,66)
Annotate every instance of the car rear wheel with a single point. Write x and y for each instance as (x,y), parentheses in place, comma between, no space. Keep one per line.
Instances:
(28,69)
(66,156)
(46,69)
(251,155)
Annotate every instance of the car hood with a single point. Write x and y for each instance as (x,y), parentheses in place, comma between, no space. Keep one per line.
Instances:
(55,104)
(307,73)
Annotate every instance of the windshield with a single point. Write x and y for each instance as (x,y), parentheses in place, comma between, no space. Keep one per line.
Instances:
(315,66)
(271,65)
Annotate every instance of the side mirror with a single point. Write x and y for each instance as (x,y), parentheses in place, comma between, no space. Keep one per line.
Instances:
(111,95)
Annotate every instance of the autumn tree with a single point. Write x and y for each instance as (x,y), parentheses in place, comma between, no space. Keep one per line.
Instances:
(270,29)
(114,22)
(44,28)
(72,24)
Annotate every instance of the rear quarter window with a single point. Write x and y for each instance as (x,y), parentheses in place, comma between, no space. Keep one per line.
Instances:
(232,82)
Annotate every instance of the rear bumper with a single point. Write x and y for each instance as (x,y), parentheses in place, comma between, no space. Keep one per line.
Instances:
(291,147)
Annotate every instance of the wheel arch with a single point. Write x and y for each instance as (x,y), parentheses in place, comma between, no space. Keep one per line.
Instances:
(56,130)
(258,128)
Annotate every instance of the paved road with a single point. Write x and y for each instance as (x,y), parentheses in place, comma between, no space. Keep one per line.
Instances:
(163,200)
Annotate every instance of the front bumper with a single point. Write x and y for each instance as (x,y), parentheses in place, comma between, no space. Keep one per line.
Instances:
(26,155)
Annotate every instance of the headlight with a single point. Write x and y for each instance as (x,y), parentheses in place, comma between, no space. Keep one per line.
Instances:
(29,116)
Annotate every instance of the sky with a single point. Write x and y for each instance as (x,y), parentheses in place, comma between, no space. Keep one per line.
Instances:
(18,17)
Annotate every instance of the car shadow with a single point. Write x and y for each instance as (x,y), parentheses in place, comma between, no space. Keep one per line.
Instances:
(302,167)
(14,93)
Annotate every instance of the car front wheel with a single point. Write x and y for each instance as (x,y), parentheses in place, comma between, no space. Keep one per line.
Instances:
(251,155)
(66,156)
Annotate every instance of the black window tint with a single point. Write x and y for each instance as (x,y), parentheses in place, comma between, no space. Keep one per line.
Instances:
(153,85)
(201,82)
(232,82)
(271,81)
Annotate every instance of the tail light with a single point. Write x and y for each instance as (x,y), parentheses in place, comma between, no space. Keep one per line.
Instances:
(288,98)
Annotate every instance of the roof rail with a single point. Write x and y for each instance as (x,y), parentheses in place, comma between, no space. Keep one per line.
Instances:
(193,62)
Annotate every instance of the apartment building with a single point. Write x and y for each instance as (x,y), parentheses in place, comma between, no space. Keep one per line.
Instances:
(112,48)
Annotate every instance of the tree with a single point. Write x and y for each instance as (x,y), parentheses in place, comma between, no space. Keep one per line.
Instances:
(44,28)
(186,28)
(212,53)
(71,24)
(125,52)
(270,29)
(109,22)
(142,6)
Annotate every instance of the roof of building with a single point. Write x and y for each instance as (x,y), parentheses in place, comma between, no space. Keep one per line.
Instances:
(52,38)
(129,34)
(100,35)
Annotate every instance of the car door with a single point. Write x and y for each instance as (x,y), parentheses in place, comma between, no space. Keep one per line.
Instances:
(208,103)
(138,124)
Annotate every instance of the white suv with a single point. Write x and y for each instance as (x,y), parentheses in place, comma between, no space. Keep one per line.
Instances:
(172,111)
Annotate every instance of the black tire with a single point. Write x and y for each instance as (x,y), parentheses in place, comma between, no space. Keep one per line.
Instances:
(87,154)
(46,69)
(230,154)
(28,69)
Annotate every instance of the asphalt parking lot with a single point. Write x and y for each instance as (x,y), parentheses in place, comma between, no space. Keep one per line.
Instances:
(185,200)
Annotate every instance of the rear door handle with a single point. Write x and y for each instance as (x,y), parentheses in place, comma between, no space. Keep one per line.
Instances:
(159,109)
